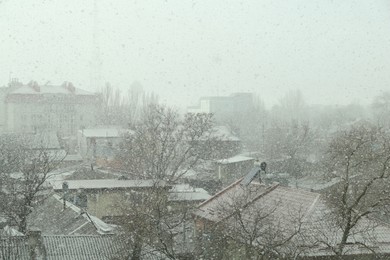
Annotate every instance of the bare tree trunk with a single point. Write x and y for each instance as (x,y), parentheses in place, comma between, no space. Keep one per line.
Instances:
(137,250)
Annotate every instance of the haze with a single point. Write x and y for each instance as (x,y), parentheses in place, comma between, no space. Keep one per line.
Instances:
(333,51)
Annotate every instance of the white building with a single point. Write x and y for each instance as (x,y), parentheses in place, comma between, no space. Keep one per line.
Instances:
(36,108)
(224,106)
(100,142)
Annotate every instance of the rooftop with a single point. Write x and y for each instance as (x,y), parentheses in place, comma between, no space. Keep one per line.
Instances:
(184,192)
(235,159)
(72,248)
(281,207)
(106,184)
(52,219)
(35,89)
(104,132)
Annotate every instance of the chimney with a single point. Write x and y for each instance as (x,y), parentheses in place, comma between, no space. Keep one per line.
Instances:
(14,82)
(37,250)
(69,86)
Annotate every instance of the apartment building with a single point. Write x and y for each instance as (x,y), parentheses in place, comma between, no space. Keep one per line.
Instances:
(33,108)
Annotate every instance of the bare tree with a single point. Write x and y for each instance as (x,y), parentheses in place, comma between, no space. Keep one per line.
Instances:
(251,230)
(152,225)
(381,109)
(125,108)
(24,172)
(165,146)
(360,157)
(290,145)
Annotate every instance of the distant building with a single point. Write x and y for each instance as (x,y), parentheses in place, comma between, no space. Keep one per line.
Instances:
(63,109)
(100,144)
(224,107)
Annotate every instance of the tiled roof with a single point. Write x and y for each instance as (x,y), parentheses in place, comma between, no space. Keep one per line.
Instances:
(320,225)
(214,209)
(286,205)
(14,248)
(71,248)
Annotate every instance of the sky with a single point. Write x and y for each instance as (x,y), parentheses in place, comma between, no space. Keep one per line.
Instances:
(335,52)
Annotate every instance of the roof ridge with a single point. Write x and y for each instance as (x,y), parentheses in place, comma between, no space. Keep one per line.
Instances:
(220,192)
(93,236)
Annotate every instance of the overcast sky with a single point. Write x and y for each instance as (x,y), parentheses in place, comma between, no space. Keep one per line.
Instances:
(334,51)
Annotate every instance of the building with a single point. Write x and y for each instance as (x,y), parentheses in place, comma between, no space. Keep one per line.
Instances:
(283,223)
(224,107)
(54,217)
(184,194)
(100,144)
(106,198)
(62,109)
(230,169)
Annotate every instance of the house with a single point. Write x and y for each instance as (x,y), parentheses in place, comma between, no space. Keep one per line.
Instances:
(56,217)
(36,246)
(100,144)
(253,216)
(230,169)
(63,109)
(104,198)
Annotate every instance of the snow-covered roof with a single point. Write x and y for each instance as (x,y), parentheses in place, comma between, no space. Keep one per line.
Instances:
(286,205)
(184,192)
(49,89)
(223,133)
(73,158)
(104,132)
(9,232)
(52,219)
(106,184)
(69,247)
(235,159)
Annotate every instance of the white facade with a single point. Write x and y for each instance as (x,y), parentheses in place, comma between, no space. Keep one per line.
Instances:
(62,109)
(224,107)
